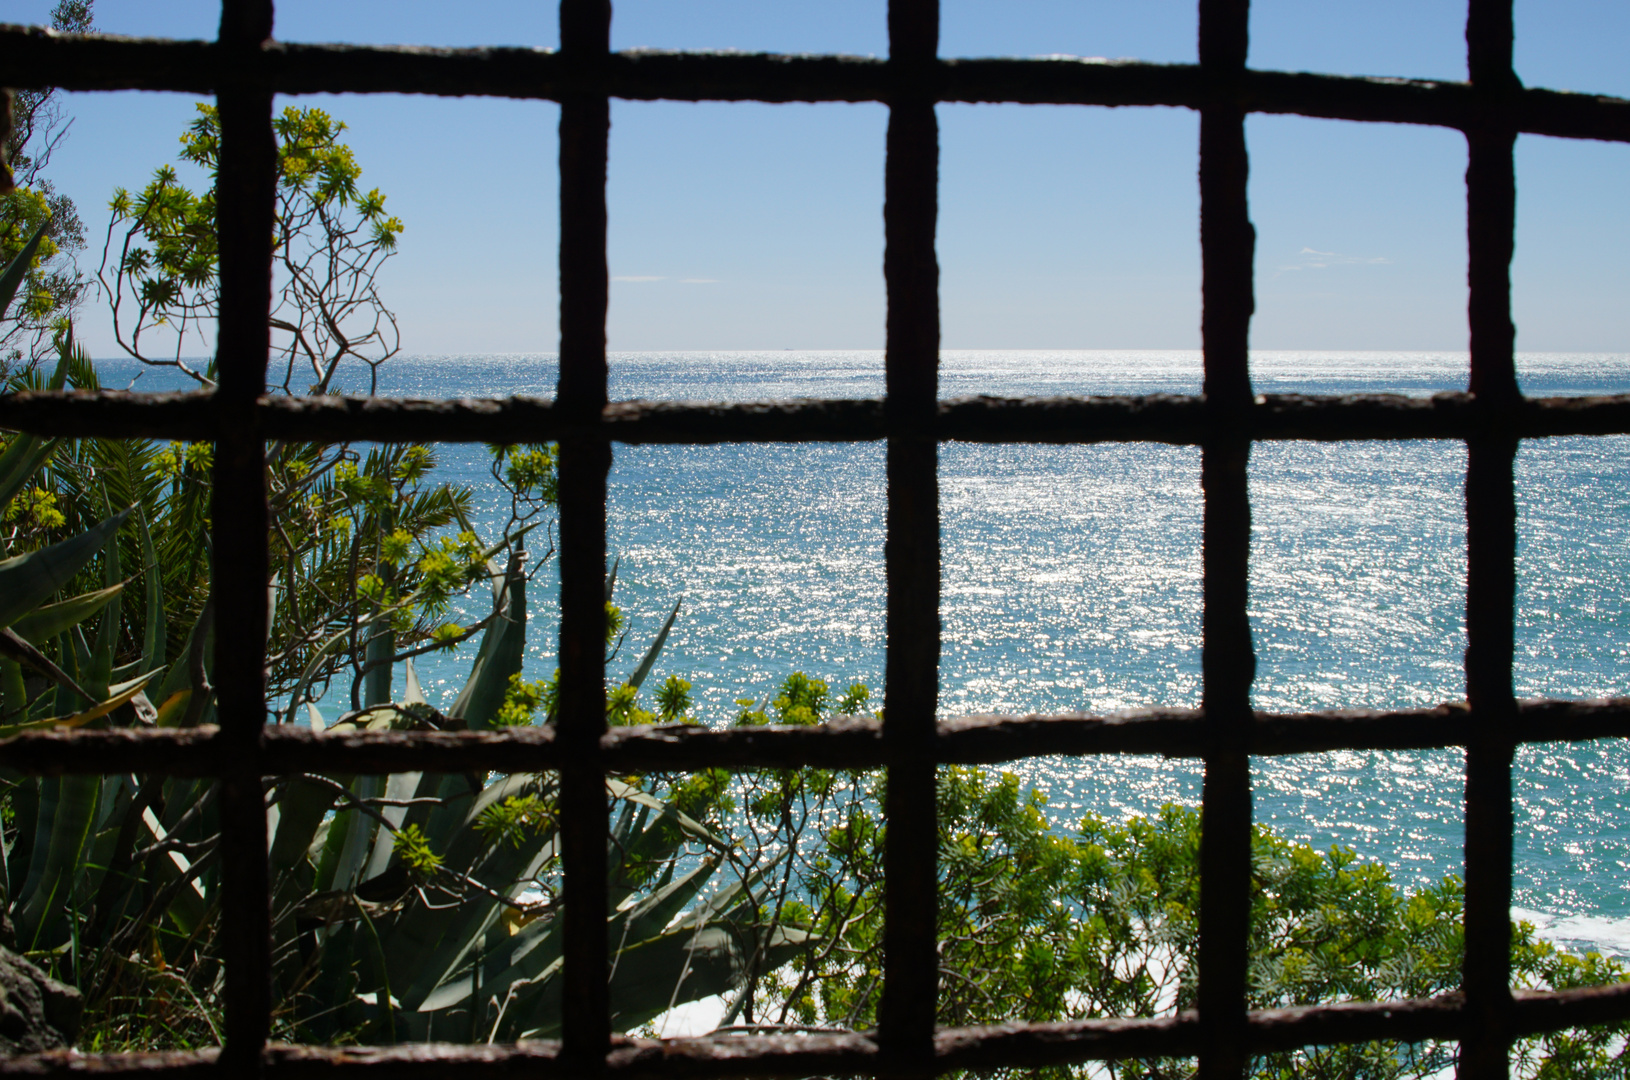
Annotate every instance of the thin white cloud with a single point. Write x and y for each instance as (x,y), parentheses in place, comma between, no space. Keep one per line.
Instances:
(698,281)
(1314,259)
(639,277)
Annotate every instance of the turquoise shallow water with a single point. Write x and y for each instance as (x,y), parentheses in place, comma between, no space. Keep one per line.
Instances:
(1072,581)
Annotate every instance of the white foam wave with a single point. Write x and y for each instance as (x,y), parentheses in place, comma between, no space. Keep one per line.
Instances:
(1578,933)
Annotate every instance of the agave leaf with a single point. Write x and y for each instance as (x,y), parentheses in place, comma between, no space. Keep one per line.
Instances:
(13,692)
(27,580)
(173,709)
(79,719)
(82,665)
(655,650)
(127,671)
(380,647)
(649,978)
(689,825)
(153,633)
(17,269)
(178,677)
(652,915)
(377,718)
(529,952)
(456,792)
(398,786)
(412,693)
(671,969)
(625,826)
(49,620)
(356,839)
(138,684)
(15,648)
(377,682)
(655,846)
(24,797)
(426,945)
(66,701)
(107,627)
(341,640)
(503,646)
(726,898)
(467,927)
(301,808)
(679,967)
(57,861)
(191,905)
(45,813)
(315,717)
(111,808)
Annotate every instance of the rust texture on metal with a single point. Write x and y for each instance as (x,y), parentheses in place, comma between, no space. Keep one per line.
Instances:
(999,1045)
(1228,663)
(1491,550)
(856,742)
(246,216)
(911,552)
(585,127)
(110,62)
(1166,418)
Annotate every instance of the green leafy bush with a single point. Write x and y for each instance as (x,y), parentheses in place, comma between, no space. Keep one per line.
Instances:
(1041,922)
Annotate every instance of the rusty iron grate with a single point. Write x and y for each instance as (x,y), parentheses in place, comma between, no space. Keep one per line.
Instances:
(244,68)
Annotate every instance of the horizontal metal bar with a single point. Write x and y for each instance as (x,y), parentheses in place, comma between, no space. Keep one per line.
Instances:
(1004,1045)
(1536,1011)
(33,57)
(1445,104)
(851,742)
(1166,418)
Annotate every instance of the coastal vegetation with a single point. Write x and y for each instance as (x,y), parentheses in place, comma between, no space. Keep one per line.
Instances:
(415,906)
(36,216)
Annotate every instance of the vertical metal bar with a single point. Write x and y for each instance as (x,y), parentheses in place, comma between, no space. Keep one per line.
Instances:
(585,127)
(1491,546)
(246,190)
(912,548)
(1227,245)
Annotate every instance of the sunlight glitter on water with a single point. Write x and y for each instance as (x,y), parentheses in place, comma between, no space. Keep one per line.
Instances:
(1071,581)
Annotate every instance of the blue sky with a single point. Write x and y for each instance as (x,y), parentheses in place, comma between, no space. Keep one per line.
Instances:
(757,226)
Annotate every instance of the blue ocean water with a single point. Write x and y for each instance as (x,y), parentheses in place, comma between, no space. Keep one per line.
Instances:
(1071,580)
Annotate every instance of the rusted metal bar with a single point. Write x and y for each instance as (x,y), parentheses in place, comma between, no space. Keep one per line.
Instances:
(1228,663)
(1491,550)
(1037,1046)
(1536,1011)
(1165,418)
(585,127)
(111,414)
(1003,1045)
(844,743)
(245,224)
(1430,102)
(911,551)
(108,62)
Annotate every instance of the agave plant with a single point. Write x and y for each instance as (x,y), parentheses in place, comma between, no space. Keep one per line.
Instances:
(409,906)
(71,840)
(420,905)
